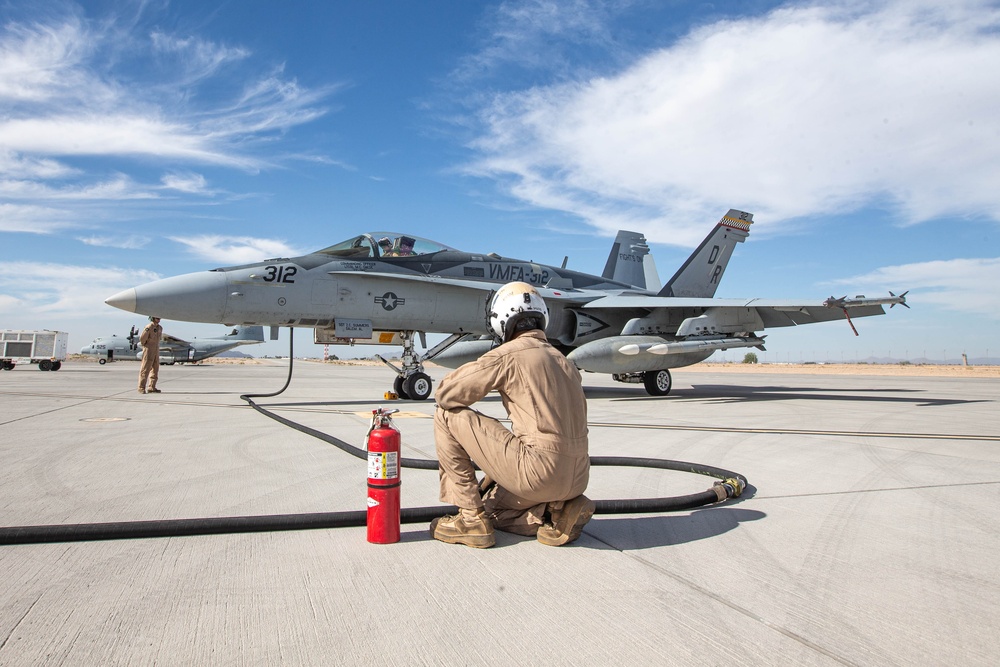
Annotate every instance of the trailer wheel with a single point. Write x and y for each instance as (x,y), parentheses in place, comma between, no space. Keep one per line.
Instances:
(45,365)
(7,365)
(56,365)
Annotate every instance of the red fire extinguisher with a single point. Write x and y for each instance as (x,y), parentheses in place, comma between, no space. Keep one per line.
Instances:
(383,478)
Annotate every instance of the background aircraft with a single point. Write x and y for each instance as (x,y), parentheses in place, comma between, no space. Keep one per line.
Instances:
(620,322)
(172,349)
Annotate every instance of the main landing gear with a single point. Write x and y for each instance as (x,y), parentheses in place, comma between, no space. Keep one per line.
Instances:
(411,381)
(657,383)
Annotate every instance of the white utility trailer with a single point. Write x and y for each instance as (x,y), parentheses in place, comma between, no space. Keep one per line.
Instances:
(45,348)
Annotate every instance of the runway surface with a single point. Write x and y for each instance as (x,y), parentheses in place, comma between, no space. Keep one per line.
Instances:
(869,535)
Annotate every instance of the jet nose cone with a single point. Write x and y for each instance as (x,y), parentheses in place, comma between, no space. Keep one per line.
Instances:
(192,297)
(124,300)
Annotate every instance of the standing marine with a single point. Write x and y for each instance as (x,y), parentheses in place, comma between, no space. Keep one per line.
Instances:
(150,340)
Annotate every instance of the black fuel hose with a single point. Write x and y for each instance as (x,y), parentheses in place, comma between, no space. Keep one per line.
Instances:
(731,485)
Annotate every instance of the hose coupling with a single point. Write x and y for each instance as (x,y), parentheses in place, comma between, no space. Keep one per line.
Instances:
(730,487)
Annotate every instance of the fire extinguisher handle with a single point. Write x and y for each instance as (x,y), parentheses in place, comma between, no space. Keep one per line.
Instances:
(381,418)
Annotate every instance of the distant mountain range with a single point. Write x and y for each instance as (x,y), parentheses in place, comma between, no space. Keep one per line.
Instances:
(972,361)
(235,353)
(921,361)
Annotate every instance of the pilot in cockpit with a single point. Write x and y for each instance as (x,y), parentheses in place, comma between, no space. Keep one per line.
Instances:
(385,245)
(402,248)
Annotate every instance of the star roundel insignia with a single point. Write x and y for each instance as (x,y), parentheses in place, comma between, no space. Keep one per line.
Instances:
(389,301)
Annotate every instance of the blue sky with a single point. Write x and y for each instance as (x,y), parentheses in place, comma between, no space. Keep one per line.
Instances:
(140,140)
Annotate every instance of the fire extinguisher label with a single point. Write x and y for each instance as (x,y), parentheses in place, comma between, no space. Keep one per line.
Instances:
(383,465)
(372,502)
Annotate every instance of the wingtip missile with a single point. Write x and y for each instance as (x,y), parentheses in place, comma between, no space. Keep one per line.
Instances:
(862,300)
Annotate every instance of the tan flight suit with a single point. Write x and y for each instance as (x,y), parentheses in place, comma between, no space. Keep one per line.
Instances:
(150,339)
(543,460)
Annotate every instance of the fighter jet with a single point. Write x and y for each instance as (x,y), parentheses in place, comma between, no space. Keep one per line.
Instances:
(172,349)
(387,288)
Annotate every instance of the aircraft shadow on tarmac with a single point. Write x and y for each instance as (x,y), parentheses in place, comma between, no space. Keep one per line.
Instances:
(735,394)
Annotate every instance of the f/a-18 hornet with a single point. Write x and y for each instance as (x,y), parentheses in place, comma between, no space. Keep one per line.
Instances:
(172,349)
(385,288)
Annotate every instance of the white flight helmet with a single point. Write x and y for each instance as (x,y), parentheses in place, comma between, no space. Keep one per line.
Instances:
(513,303)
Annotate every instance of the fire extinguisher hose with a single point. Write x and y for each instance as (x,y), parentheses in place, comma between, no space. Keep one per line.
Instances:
(729,485)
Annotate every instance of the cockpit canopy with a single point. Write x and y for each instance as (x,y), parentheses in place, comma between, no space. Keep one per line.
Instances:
(375,245)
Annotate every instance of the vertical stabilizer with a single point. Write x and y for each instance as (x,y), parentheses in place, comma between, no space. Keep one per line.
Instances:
(652,275)
(627,262)
(699,276)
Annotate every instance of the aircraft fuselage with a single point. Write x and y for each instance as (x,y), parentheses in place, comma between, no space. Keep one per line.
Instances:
(323,288)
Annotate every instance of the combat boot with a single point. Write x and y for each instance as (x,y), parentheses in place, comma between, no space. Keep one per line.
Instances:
(141,390)
(469,527)
(153,390)
(567,522)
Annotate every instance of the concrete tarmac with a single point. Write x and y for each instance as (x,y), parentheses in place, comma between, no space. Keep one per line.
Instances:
(869,534)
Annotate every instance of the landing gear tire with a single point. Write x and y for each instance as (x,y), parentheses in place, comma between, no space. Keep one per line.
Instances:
(102,361)
(418,386)
(398,387)
(657,383)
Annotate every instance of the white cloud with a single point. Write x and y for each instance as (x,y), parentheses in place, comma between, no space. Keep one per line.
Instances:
(200,59)
(34,219)
(804,111)
(72,90)
(41,62)
(233,250)
(961,285)
(19,166)
(122,135)
(523,34)
(130,242)
(31,292)
(118,188)
(189,183)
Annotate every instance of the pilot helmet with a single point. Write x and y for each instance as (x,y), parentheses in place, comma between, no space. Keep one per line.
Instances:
(385,242)
(516,306)
(406,241)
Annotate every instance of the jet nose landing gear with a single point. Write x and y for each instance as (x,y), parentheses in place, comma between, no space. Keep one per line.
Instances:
(416,386)
(411,381)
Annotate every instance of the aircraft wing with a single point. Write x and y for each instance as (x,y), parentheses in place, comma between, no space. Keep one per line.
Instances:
(173,343)
(772,312)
